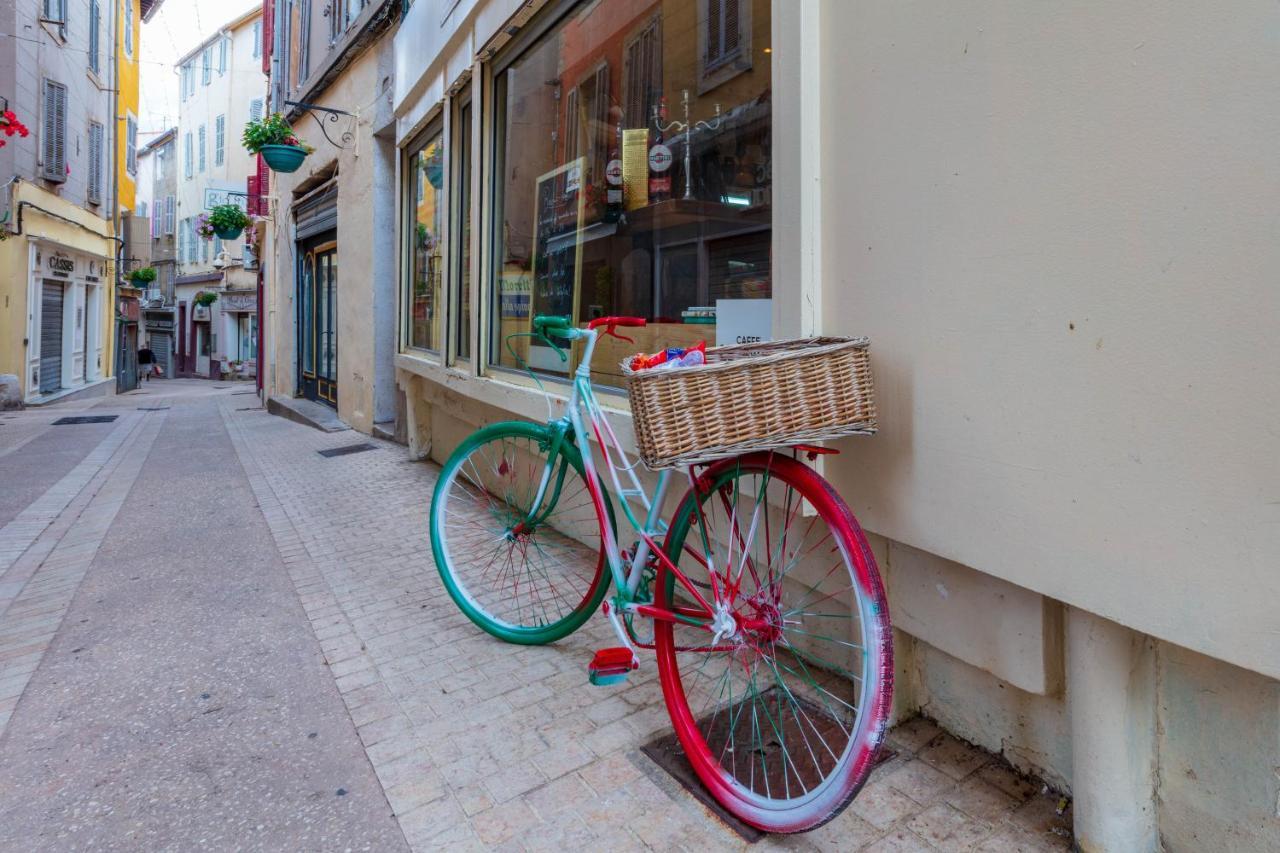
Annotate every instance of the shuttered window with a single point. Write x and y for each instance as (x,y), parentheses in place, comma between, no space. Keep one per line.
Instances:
(723,30)
(54,135)
(206,67)
(157,217)
(257,39)
(186,154)
(131,145)
(95,163)
(643,69)
(200,145)
(222,56)
(170,210)
(95,37)
(128,27)
(219,140)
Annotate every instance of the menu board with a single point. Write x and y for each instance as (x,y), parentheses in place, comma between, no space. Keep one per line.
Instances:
(557,254)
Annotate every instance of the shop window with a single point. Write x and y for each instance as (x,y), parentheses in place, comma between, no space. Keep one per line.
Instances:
(599,212)
(424,309)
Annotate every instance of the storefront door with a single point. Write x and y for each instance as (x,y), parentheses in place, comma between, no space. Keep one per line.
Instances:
(317,323)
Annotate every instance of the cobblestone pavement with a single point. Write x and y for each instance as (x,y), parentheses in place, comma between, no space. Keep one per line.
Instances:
(477,744)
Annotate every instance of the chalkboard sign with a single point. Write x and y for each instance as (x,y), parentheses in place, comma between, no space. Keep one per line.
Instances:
(557,254)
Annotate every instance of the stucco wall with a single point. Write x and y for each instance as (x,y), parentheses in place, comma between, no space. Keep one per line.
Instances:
(367,260)
(1058,226)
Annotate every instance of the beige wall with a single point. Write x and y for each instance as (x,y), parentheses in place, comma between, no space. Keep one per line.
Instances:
(366,253)
(1058,227)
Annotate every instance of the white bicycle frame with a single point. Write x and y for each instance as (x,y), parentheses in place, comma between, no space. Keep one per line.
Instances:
(626,579)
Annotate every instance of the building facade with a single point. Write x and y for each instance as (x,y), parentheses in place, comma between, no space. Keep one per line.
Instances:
(1030,239)
(157,205)
(332,240)
(59,260)
(222,88)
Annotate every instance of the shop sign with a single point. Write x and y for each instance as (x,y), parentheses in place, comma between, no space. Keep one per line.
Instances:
(743,321)
(160,325)
(239,302)
(61,266)
(214,197)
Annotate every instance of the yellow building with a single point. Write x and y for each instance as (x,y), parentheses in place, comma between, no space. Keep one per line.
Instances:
(127,49)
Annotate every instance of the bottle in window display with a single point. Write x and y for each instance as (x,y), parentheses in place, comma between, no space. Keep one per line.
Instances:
(660,162)
(613,179)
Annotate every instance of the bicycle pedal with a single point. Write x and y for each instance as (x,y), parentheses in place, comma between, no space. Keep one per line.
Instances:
(611,666)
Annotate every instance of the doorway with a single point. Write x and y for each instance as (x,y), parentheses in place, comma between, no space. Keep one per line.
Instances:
(317,321)
(51,298)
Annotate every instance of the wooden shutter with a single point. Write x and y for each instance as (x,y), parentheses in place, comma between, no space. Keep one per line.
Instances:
(54,136)
(268,33)
(95,22)
(600,131)
(714,24)
(170,211)
(730,24)
(264,187)
(95,163)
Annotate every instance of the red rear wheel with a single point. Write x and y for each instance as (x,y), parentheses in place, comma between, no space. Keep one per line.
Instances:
(781,715)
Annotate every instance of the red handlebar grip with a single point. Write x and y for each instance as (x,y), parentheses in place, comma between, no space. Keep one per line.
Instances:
(616,321)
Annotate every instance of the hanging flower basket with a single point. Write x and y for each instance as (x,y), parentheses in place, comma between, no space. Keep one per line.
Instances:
(273,138)
(225,221)
(283,158)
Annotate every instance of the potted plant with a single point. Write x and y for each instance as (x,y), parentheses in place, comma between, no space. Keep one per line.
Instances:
(274,139)
(143,276)
(224,220)
(205,298)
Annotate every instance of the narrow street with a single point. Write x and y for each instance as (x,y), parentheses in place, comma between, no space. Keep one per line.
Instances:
(211,636)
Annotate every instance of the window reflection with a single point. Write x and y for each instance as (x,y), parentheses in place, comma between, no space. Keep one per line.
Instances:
(426,174)
(600,214)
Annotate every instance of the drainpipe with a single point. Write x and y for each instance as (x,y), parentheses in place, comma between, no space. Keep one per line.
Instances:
(110,302)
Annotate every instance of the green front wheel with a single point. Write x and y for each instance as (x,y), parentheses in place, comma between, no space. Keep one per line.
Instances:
(516,535)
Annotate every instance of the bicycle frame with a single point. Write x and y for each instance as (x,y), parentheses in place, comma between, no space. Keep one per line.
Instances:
(626,579)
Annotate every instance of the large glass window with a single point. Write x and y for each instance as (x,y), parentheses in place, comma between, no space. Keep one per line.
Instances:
(426,250)
(633,158)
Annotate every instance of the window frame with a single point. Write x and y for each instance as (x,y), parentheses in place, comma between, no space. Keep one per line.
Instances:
(128,28)
(202,138)
(97,137)
(206,65)
(433,128)
(461,159)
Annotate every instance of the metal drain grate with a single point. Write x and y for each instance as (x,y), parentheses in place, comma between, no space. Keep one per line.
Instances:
(667,753)
(153,408)
(347,450)
(85,419)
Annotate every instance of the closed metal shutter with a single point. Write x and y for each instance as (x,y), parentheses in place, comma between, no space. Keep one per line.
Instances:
(162,346)
(51,338)
(317,214)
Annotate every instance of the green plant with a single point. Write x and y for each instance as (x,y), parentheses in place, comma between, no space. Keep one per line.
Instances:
(271,130)
(224,217)
(206,298)
(143,275)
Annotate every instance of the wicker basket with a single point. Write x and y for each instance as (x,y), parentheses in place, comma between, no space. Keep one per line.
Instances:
(752,397)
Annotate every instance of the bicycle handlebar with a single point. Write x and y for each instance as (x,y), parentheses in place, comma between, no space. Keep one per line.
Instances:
(616,321)
(543,322)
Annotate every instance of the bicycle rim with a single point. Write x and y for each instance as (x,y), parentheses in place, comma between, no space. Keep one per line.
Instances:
(782,715)
(524,573)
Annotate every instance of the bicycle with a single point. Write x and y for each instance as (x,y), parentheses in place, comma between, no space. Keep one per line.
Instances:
(768,615)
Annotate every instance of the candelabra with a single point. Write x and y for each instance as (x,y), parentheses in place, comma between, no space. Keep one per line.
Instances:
(687,128)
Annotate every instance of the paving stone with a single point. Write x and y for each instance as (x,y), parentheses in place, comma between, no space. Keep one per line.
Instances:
(948,828)
(953,756)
